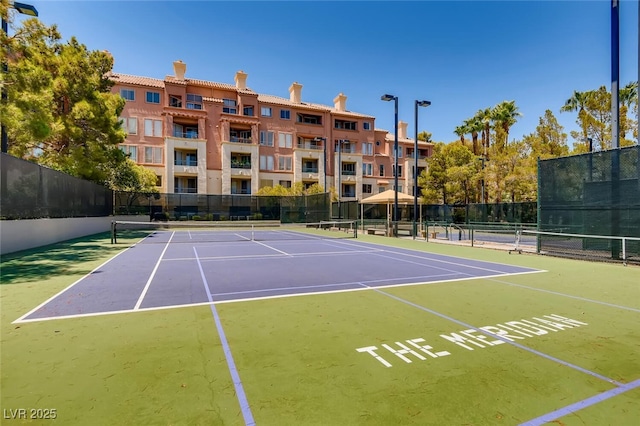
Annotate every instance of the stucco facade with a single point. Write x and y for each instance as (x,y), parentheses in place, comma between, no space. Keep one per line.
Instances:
(215,138)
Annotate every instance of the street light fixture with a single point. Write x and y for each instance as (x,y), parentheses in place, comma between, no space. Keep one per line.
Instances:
(415,170)
(395,148)
(25,9)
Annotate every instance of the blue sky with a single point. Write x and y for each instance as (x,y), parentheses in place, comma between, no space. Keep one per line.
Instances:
(460,55)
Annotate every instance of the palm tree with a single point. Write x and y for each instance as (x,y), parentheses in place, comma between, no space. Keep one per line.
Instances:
(578,102)
(474,126)
(484,115)
(461,131)
(628,96)
(506,114)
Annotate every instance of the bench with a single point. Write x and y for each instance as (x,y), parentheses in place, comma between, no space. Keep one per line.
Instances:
(376,231)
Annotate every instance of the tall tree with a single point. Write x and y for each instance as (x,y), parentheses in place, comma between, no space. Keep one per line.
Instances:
(60,111)
(578,102)
(628,97)
(505,115)
(485,116)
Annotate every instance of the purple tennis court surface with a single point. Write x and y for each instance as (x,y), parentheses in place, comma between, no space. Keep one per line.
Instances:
(166,274)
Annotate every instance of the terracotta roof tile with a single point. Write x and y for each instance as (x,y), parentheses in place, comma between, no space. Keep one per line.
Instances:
(134,79)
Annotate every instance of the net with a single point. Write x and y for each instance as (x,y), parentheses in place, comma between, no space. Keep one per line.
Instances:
(591,247)
(193,233)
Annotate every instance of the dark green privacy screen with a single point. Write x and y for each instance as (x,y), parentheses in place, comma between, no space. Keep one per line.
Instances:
(595,194)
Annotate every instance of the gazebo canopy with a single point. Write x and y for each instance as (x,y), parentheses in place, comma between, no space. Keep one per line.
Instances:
(388,197)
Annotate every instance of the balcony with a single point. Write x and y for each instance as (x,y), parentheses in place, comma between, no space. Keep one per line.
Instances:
(240,164)
(185,162)
(240,192)
(348,172)
(310,145)
(185,135)
(179,190)
(309,169)
(239,140)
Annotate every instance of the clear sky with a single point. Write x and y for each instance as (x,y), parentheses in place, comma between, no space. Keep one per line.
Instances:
(460,55)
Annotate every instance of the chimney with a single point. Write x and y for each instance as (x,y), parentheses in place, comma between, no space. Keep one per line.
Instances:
(402,130)
(241,80)
(340,102)
(294,92)
(179,68)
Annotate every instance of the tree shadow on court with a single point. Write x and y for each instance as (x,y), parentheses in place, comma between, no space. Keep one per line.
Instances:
(71,257)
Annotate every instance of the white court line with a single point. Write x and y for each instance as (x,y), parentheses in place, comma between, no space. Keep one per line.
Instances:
(254,299)
(77,281)
(268,256)
(153,273)
(243,237)
(272,248)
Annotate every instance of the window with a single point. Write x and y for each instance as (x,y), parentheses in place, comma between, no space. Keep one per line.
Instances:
(264,183)
(265,111)
(349,169)
(158,180)
(284,163)
(182,158)
(347,125)
(175,101)
(229,106)
(285,114)
(130,125)
(131,151)
(266,162)
(399,188)
(399,170)
(285,183)
(367,148)
(152,127)
(367,169)
(194,101)
(366,188)
(152,155)
(382,189)
(248,110)
(366,125)
(399,152)
(153,97)
(128,94)
(381,169)
(285,140)
(266,138)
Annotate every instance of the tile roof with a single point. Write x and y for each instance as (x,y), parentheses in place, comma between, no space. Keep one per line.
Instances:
(270,99)
(134,79)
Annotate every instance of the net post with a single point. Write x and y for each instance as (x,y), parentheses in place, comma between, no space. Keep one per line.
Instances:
(253,236)
(624,249)
(355,229)
(113,232)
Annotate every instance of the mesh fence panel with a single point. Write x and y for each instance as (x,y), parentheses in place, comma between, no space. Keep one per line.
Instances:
(30,191)
(592,194)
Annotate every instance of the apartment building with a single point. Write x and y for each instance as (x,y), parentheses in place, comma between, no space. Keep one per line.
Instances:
(208,137)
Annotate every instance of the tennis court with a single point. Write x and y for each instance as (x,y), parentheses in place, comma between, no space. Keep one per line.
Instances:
(311,326)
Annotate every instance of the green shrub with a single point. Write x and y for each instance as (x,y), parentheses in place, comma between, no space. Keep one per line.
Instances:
(196,217)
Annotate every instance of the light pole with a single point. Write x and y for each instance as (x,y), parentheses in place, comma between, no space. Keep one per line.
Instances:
(415,170)
(25,9)
(395,148)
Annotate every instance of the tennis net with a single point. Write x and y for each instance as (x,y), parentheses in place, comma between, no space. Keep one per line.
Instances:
(592,247)
(194,232)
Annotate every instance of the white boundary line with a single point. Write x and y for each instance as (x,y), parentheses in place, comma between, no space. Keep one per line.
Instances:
(267,256)
(71,285)
(153,274)
(253,299)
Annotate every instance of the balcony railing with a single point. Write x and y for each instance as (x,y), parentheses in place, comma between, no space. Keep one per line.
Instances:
(241,191)
(185,135)
(349,172)
(237,164)
(185,162)
(309,170)
(310,145)
(239,140)
(179,190)
(349,194)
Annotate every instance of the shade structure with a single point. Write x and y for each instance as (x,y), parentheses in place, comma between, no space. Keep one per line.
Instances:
(387,197)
